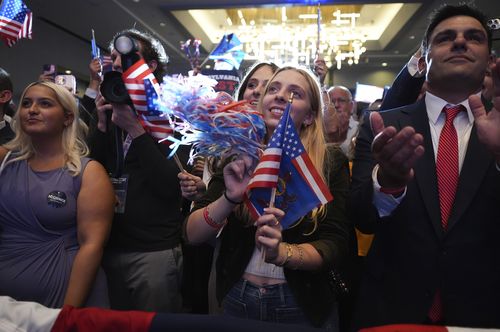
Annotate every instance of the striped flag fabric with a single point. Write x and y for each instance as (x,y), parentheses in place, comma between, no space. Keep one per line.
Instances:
(15,21)
(143,89)
(286,166)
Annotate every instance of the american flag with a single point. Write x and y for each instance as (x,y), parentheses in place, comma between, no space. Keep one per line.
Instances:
(143,89)
(15,21)
(286,165)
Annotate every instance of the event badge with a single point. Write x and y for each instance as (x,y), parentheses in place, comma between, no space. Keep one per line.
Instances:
(56,199)
(120,185)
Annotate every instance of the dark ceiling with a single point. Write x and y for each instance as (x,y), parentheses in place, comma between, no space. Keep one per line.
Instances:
(107,17)
(71,22)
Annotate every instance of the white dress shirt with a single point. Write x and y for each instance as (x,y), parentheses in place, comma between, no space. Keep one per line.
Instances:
(463,122)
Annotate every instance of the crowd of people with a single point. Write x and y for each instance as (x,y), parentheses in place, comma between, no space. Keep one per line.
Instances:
(94,214)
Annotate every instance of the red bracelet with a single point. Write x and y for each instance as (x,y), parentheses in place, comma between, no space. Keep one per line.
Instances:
(392,191)
(209,220)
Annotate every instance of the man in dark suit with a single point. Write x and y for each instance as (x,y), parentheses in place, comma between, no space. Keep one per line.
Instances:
(6,91)
(435,258)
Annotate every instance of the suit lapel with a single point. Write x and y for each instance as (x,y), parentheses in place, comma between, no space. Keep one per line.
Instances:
(476,163)
(425,167)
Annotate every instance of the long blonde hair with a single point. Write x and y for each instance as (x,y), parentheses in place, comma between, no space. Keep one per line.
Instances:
(312,137)
(73,137)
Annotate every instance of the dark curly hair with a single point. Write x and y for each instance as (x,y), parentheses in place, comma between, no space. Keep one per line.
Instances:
(151,49)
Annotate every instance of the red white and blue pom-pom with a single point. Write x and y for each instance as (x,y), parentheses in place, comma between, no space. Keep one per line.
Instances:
(214,124)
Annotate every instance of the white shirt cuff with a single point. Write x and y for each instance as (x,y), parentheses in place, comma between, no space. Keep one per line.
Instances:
(413,67)
(91,93)
(385,203)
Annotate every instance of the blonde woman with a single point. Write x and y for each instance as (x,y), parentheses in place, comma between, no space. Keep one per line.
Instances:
(56,205)
(291,285)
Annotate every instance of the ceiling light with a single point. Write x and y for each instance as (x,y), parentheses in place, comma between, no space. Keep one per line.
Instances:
(68,72)
(295,39)
(308,16)
(384,64)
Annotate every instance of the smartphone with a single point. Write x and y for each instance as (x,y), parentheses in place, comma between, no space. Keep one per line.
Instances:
(49,69)
(68,81)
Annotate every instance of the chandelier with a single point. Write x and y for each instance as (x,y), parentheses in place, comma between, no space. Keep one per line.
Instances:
(298,34)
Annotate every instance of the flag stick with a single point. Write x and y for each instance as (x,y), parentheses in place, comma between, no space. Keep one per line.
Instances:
(178,162)
(273,190)
(318,19)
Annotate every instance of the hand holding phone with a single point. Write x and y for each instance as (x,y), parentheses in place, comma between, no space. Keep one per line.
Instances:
(49,73)
(68,81)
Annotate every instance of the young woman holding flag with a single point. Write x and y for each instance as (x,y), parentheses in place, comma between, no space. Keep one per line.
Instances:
(291,284)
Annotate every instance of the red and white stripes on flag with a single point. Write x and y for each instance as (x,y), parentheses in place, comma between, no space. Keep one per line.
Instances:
(303,164)
(154,123)
(15,21)
(267,171)
(286,166)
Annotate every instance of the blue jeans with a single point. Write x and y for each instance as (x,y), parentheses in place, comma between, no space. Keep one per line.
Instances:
(273,303)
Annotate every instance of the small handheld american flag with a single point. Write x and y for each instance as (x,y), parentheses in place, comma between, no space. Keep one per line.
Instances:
(143,89)
(285,167)
(15,21)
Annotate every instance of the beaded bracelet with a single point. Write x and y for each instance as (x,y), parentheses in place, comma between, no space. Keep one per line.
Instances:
(210,222)
(230,200)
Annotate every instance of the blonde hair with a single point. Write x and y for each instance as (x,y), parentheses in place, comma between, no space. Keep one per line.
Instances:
(313,135)
(73,137)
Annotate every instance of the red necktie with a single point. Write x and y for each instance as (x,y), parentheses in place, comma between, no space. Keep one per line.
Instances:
(447,176)
(447,163)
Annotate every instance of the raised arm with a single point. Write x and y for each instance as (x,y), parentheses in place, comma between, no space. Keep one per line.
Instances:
(488,123)
(94,215)
(210,216)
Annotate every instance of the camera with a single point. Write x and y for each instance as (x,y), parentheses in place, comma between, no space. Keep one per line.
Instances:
(112,87)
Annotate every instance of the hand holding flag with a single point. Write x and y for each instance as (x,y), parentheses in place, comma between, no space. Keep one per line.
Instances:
(286,166)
